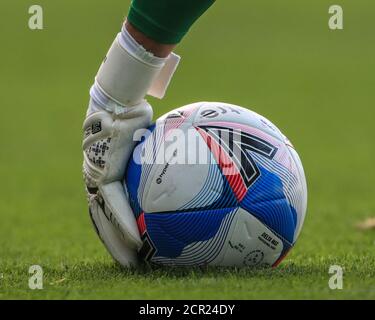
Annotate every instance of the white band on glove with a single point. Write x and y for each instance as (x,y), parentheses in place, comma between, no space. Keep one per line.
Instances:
(126,79)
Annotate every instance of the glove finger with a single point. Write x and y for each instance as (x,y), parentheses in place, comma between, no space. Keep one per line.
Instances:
(109,235)
(121,214)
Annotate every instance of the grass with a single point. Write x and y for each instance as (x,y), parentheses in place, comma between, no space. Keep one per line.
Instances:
(279,59)
(103,279)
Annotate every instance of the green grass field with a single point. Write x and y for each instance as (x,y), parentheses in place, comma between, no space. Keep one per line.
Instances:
(279,58)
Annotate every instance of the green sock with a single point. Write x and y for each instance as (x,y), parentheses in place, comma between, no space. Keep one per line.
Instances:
(166,21)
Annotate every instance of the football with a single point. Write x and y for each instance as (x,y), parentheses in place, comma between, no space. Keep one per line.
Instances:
(213,183)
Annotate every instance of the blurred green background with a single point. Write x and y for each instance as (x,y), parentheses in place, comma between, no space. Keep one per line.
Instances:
(278,58)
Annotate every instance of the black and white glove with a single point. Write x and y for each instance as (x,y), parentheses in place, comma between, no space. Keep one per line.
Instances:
(108,144)
(117,110)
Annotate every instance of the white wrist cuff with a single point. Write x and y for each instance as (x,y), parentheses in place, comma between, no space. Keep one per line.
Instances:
(126,79)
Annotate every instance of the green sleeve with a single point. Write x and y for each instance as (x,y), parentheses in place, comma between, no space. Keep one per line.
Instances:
(166,21)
